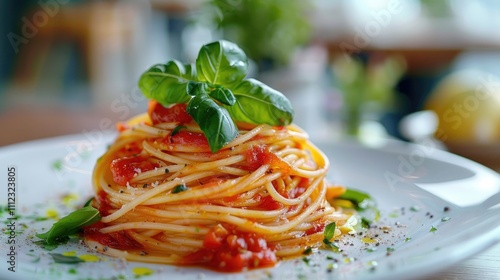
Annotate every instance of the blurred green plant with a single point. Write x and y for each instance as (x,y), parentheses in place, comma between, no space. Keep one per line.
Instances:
(367,88)
(269,31)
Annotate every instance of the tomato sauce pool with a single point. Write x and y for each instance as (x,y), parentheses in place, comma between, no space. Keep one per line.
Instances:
(232,252)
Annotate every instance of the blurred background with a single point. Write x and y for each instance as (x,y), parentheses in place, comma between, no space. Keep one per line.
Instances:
(416,70)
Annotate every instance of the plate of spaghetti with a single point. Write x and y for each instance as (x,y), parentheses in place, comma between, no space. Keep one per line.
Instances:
(215,181)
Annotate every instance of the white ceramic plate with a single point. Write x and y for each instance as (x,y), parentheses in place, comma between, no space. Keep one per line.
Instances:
(436,208)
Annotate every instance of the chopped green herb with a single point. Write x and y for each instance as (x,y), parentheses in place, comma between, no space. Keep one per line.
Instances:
(72,271)
(371,249)
(433,229)
(394,214)
(390,249)
(69,225)
(302,276)
(365,223)
(415,208)
(306,260)
(48,247)
(407,239)
(57,165)
(36,257)
(59,258)
(180,188)
(307,251)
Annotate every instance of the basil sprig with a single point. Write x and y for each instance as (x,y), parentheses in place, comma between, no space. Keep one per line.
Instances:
(217,92)
(328,234)
(69,225)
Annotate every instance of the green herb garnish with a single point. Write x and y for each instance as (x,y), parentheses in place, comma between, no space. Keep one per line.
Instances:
(328,234)
(69,225)
(180,188)
(88,202)
(59,258)
(307,251)
(433,229)
(217,92)
(57,165)
(364,205)
(361,200)
(329,231)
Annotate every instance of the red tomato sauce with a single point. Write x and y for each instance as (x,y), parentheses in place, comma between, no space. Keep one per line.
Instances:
(317,227)
(268,202)
(258,155)
(118,240)
(176,113)
(187,138)
(125,168)
(232,252)
(103,203)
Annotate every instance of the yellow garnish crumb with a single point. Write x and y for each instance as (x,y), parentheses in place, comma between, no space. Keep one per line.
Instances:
(89,258)
(52,214)
(69,198)
(69,254)
(368,240)
(142,271)
(348,260)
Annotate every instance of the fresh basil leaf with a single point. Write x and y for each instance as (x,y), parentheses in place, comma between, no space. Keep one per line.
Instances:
(167,83)
(328,234)
(70,224)
(258,103)
(88,202)
(193,88)
(223,95)
(59,258)
(222,63)
(329,231)
(214,121)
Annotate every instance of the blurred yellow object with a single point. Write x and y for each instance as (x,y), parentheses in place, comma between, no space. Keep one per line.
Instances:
(467,104)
